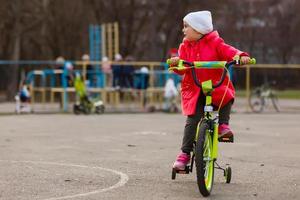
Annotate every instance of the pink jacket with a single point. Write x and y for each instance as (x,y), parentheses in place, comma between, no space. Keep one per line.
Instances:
(211,47)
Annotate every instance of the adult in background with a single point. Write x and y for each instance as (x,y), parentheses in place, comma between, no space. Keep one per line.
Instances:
(90,73)
(117,70)
(106,69)
(67,68)
(127,74)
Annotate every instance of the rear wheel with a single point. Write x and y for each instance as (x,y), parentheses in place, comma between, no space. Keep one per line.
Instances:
(227,174)
(274,99)
(204,161)
(173,108)
(99,109)
(151,109)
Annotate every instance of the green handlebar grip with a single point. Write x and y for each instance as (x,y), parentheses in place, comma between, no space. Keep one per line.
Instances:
(169,61)
(252,61)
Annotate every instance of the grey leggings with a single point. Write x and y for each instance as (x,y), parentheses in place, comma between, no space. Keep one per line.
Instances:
(192,122)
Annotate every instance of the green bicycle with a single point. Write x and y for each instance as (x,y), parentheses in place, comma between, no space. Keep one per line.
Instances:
(261,96)
(205,151)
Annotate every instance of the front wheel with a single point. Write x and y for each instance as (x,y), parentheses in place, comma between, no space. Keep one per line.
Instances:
(76,109)
(256,102)
(203,159)
(99,109)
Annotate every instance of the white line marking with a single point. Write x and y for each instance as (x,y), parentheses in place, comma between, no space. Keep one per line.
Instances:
(149,133)
(123,177)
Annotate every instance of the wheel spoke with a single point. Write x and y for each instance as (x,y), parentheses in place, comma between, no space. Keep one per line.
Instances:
(206,159)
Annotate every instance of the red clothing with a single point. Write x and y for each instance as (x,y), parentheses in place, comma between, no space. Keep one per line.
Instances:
(210,47)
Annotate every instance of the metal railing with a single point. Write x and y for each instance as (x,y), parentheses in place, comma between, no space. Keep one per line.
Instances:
(157,75)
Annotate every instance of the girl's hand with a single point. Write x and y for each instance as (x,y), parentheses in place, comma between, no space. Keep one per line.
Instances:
(245,60)
(174,61)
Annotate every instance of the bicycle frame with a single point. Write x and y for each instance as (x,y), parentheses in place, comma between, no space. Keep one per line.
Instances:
(208,109)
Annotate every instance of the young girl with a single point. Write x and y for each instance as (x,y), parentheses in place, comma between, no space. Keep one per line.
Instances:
(201,43)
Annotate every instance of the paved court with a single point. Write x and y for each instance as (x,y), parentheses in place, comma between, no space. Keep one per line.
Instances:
(129,156)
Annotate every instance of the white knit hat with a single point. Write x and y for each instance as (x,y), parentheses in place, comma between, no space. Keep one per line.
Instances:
(85,57)
(201,21)
(118,57)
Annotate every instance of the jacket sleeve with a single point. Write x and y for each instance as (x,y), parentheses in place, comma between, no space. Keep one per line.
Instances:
(182,55)
(227,52)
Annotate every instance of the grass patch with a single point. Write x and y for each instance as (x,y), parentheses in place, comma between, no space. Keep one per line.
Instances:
(282,94)
(289,94)
(240,93)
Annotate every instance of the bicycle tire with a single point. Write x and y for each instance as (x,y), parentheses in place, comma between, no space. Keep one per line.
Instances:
(203,160)
(228,173)
(99,109)
(256,102)
(274,100)
(76,109)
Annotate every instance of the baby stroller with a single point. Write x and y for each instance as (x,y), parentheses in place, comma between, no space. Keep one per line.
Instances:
(23,100)
(85,105)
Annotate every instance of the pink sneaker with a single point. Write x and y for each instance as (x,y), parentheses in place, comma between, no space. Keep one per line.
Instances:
(225,132)
(181,161)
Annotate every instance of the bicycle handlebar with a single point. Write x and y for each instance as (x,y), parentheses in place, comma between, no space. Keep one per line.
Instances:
(209,64)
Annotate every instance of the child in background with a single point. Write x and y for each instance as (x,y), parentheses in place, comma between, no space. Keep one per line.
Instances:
(117,70)
(170,95)
(69,68)
(201,43)
(90,75)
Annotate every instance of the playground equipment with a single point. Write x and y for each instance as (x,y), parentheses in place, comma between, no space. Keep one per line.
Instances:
(49,82)
(45,84)
(104,41)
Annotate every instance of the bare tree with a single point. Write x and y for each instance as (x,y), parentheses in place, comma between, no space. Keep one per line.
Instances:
(45,29)
(15,47)
(287,29)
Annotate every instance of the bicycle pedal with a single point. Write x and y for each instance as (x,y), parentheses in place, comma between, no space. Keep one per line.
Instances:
(183,171)
(226,139)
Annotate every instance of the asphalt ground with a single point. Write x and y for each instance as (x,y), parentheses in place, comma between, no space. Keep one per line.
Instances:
(129,156)
(240,105)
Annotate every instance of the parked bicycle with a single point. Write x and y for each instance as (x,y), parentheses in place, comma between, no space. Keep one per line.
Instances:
(260,97)
(205,150)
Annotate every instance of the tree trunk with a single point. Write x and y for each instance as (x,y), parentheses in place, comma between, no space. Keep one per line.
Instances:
(15,53)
